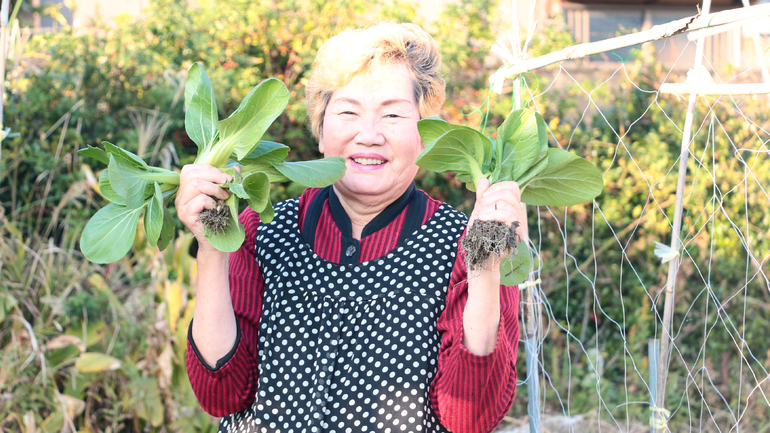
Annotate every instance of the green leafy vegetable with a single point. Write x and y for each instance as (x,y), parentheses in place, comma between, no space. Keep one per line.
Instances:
(546,176)
(464,151)
(153,216)
(514,268)
(565,180)
(132,186)
(518,145)
(201,116)
(110,233)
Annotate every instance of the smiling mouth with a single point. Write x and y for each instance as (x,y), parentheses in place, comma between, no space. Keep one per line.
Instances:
(368,161)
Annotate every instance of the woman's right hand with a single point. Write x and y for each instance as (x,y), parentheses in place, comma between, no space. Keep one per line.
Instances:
(198,184)
(214,329)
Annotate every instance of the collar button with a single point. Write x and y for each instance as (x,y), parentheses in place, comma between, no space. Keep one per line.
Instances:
(350,251)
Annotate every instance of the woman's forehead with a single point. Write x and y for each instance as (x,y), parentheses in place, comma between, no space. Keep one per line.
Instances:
(386,85)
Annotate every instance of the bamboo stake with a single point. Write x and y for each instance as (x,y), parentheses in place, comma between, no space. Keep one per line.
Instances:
(701,21)
(715,89)
(659,416)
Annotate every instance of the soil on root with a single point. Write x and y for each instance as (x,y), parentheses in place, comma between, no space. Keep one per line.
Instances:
(216,219)
(485,238)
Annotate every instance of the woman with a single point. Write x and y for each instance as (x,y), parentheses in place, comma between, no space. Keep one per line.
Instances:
(353,310)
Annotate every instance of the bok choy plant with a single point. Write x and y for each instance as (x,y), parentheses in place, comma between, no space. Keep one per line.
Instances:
(135,188)
(546,176)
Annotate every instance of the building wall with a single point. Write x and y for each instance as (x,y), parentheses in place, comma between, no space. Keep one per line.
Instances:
(88,9)
(85,11)
(591,22)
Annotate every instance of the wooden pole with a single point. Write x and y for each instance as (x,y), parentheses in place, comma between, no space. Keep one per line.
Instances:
(658,415)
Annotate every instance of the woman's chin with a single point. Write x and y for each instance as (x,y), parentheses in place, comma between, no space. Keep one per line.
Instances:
(369,186)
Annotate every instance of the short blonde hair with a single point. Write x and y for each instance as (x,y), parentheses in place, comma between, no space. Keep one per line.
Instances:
(358,51)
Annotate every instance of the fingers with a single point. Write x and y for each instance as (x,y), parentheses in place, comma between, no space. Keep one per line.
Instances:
(196,187)
(507,192)
(481,187)
(199,186)
(500,202)
(199,179)
(204,172)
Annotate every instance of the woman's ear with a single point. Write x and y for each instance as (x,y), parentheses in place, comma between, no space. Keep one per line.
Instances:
(321,143)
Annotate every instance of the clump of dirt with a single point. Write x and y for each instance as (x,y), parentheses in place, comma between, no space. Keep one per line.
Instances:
(485,238)
(216,219)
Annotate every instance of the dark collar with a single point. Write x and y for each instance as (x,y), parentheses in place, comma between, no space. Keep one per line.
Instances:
(342,219)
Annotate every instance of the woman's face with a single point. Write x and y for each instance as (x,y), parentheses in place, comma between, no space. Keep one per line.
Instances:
(372,123)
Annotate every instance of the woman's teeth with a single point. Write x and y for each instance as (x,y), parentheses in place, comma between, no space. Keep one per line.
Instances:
(368,161)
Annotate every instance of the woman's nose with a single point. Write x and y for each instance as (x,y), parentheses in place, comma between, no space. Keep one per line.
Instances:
(370,133)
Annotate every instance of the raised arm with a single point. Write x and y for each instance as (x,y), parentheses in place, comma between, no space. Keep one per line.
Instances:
(476,379)
(481,317)
(214,329)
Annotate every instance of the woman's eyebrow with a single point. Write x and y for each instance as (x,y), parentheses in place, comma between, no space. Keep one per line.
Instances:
(357,103)
(394,101)
(348,100)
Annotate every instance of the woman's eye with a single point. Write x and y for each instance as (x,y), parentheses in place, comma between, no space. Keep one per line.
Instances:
(392,116)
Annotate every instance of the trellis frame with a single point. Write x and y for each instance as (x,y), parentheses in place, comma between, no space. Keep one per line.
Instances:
(698,27)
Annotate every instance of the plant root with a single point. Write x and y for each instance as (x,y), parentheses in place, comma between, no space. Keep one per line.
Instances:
(216,219)
(487,238)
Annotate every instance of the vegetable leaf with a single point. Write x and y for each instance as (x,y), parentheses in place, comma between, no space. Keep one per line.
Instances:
(231,238)
(95,153)
(257,111)
(106,190)
(166,231)
(518,144)
(533,171)
(313,174)
(264,166)
(124,155)
(257,187)
(109,234)
(567,179)
(460,150)
(267,215)
(514,268)
(432,128)
(200,120)
(153,216)
(125,181)
(268,151)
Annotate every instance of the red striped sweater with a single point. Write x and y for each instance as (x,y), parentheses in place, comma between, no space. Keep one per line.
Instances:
(469,393)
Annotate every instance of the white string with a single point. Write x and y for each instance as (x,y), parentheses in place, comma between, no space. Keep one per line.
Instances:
(710,208)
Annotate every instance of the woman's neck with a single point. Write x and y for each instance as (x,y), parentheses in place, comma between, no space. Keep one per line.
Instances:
(363,209)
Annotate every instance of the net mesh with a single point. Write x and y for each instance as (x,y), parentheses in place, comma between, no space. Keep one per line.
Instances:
(600,301)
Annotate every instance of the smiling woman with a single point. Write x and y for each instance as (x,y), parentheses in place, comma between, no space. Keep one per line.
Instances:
(372,123)
(353,309)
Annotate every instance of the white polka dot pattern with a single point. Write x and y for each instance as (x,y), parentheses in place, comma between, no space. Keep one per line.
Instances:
(349,348)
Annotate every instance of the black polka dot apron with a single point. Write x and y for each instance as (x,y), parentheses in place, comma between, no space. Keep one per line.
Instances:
(354,347)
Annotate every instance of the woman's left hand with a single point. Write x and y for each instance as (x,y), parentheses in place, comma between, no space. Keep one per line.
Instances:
(481,316)
(500,202)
